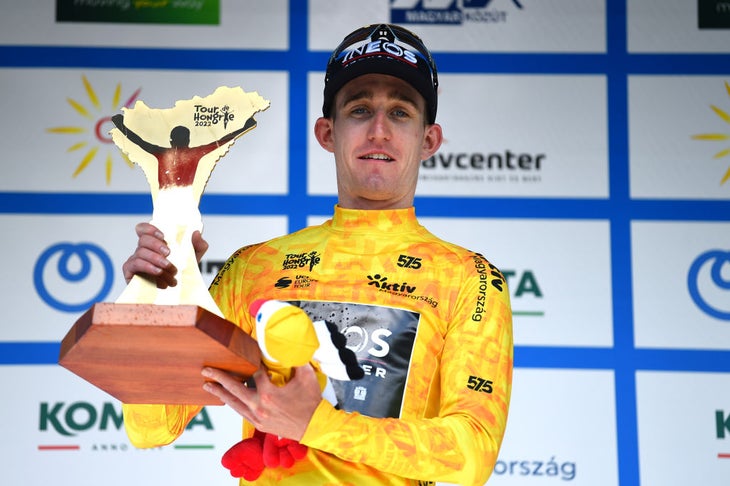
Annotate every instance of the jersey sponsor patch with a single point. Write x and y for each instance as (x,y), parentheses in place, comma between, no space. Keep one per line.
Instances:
(382,338)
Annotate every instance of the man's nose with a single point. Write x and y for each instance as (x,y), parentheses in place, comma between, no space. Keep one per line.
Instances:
(380,126)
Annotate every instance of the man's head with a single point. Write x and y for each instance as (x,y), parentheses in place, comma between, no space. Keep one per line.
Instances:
(382,49)
(179,137)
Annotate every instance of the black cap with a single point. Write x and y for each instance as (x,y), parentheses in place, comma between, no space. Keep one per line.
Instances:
(382,49)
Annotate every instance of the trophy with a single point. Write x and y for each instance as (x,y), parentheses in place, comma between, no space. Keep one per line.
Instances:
(150,344)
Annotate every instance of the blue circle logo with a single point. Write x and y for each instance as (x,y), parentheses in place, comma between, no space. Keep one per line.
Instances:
(73,265)
(716,259)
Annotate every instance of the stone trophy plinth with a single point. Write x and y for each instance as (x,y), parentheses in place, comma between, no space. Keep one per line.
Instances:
(150,344)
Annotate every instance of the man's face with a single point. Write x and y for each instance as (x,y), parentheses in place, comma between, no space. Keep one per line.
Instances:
(379,137)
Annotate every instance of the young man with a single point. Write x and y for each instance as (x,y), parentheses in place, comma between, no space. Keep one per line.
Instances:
(429,321)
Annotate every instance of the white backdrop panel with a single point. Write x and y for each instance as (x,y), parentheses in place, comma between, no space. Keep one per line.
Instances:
(502,138)
(668,257)
(558,274)
(498,26)
(679,433)
(665,112)
(567,261)
(672,26)
(30,317)
(238,29)
(39,160)
(67,432)
(561,429)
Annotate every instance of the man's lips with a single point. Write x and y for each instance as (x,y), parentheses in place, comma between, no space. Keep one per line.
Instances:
(378,156)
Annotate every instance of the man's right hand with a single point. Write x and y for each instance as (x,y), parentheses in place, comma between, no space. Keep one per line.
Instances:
(149,258)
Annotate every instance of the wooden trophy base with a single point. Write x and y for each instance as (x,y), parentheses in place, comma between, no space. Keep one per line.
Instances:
(147,353)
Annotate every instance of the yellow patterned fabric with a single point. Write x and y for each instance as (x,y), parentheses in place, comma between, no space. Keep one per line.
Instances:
(431,325)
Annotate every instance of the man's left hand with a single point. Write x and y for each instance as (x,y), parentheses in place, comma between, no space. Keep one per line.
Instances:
(284,411)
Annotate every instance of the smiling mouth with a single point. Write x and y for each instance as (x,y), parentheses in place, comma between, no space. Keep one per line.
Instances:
(382,157)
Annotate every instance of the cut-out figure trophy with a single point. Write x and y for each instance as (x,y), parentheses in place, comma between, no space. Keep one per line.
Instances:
(149,346)
(177,173)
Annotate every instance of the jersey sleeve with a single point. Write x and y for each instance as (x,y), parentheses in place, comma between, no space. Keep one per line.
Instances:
(230,288)
(156,425)
(461,442)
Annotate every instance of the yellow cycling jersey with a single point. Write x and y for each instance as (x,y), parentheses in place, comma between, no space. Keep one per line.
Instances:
(431,325)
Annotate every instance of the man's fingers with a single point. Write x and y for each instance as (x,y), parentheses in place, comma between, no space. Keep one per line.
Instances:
(231,391)
(154,245)
(226,380)
(147,263)
(148,229)
(149,259)
(199,245)
(305,372)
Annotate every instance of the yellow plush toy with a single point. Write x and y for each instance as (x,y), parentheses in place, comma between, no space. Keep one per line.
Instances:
(288,338)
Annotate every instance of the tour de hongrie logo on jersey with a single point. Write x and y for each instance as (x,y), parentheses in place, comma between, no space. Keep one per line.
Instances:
(303,260)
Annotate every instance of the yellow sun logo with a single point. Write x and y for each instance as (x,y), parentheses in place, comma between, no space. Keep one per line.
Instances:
(94,132)
(719,137)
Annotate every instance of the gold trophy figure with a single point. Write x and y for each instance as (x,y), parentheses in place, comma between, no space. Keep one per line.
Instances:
(149,346)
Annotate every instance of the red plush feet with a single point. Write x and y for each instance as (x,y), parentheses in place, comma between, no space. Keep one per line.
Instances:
(246,459)
(279,452)
(251,456)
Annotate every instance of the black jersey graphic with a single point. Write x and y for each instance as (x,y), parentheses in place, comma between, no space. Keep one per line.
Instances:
(382,338)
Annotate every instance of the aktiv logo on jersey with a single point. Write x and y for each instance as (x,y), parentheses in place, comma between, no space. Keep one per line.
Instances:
(447,12)
(713,14)
(382,283)
(722,136)
(90,134)
(402,289)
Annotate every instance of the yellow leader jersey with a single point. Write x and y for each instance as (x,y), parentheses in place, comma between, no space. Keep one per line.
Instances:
(431,325)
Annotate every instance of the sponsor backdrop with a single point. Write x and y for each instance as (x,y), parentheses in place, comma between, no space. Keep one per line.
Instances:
(587,154)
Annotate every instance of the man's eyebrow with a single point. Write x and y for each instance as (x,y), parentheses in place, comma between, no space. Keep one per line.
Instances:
(402,96)
(357,95)
(367,94)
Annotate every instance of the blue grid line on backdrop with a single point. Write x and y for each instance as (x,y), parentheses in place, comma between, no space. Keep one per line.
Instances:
(619,209)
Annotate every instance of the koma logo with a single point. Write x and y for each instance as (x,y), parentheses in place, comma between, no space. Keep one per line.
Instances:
(69,420)
(722,424)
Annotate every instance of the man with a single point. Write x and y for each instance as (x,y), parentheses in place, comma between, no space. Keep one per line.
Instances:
(430,322)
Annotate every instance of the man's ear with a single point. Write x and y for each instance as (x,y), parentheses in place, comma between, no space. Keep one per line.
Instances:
(323,133)
(431,140)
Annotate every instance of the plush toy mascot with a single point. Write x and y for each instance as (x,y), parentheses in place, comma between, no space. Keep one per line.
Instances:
(288,338)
